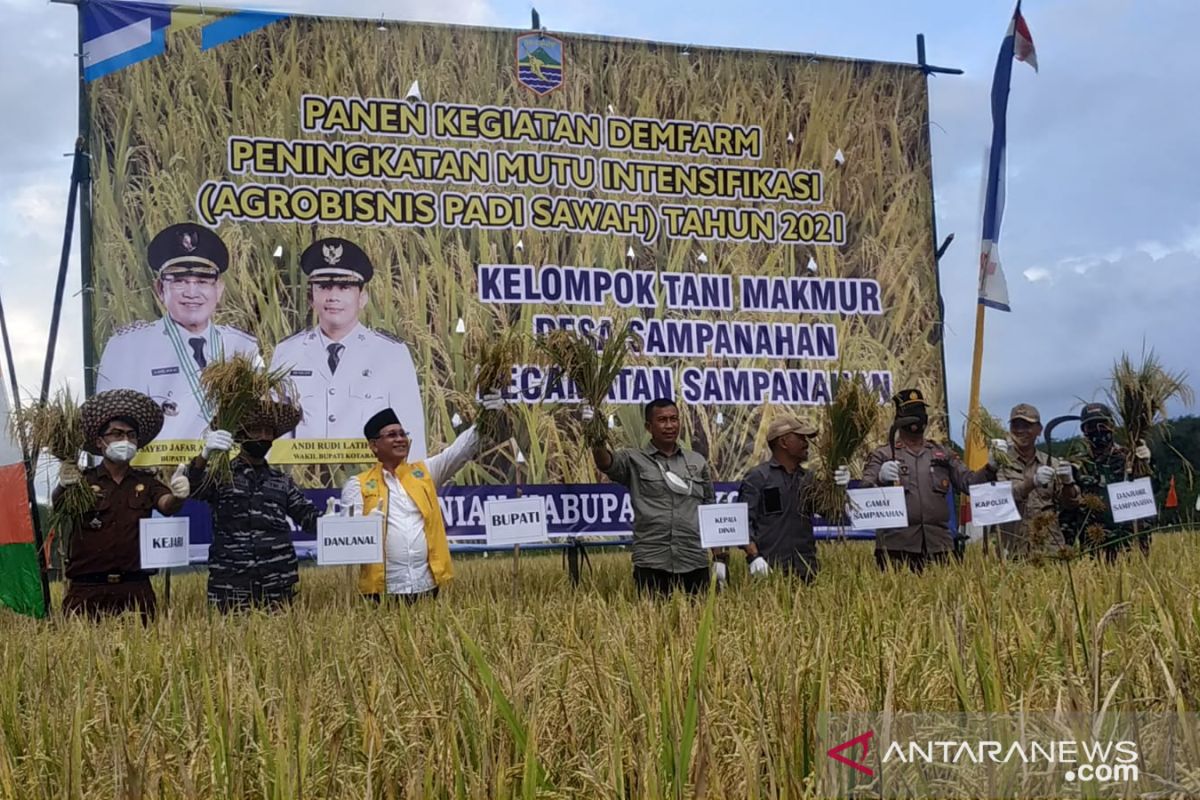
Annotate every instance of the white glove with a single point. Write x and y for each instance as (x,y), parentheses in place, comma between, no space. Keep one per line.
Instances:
(216,442)
(1065,472)
(722,572)
(841,475)
(586,412)
(1043,475)
(68,474)
(890,471)
(492,401)
(181,487)
(1141,452)
(759,566)
(998,447)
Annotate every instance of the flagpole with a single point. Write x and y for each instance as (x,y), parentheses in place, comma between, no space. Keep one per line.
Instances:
(976,449)
(1017,45)
(928,69)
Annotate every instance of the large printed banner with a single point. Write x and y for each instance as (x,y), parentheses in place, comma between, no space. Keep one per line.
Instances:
(387,197)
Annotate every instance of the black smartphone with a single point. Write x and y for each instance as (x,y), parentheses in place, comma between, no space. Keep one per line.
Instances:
(772,500)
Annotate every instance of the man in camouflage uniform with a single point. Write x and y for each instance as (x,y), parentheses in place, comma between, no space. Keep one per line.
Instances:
(1100,462)
(252,560)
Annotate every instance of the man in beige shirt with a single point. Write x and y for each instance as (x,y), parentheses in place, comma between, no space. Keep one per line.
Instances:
(1041,487)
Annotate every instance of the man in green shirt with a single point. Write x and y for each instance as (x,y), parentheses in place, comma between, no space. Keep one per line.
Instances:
(667,485)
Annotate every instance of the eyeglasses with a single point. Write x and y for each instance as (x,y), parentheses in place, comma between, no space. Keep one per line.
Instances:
(393,435)
(116,436)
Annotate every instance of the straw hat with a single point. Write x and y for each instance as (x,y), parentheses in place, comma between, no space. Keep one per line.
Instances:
(104,407)
(281,418)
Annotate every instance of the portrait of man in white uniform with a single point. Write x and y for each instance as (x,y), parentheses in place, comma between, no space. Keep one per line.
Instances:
(162,359)
(343,370)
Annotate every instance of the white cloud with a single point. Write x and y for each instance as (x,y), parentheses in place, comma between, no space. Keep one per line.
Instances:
(1035,274)
(37,206)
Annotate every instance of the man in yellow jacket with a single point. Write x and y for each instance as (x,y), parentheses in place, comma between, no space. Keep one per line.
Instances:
(415,551)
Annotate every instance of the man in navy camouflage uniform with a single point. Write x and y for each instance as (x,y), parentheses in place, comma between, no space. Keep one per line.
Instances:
(252,560)
(1102,461)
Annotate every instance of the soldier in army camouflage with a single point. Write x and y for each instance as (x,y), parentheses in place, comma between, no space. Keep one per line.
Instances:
(1102,461)
(252,560)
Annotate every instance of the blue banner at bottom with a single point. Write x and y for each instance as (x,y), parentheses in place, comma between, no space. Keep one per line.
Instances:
(581,509)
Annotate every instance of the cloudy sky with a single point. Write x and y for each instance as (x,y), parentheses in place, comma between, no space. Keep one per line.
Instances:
(1101,234)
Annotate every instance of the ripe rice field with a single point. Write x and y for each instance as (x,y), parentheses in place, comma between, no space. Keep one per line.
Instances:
(532,688)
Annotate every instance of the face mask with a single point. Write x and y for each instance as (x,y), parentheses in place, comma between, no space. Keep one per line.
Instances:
(122,452)
(256,448)
(1101,438)
(675,483)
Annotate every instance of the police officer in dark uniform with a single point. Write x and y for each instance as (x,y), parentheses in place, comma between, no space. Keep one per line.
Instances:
(928,472)
(252,560)
(1098,463)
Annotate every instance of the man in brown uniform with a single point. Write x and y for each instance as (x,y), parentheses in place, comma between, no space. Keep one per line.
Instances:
(1041,487)
(103,552)
(928,472)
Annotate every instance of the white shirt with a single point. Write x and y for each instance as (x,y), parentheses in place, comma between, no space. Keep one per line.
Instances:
(405,551)
(374,372)
(144,356)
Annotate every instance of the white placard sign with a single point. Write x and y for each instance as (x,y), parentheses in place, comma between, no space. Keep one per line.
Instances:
(517,520)
(350,540)
(877,508)
(1131,500)
(165,542)
(993,503)
(724,525)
